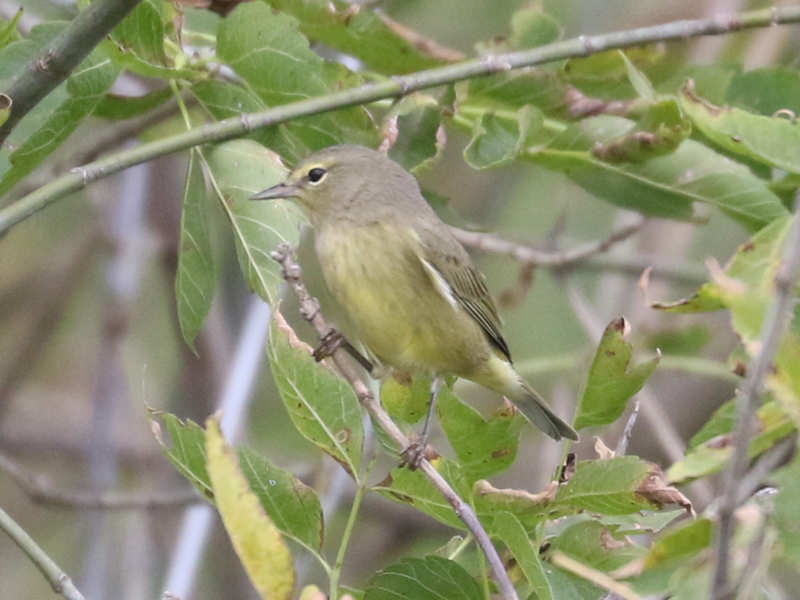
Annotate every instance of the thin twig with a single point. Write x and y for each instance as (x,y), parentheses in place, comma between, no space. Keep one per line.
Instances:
(580,46)
(41,491)
(776,456)
(60,57)
(59,580)
(310,310)
(489,242)
(624,440)
(775,323)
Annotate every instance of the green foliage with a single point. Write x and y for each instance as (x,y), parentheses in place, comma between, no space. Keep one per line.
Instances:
(612,379)
(322,406)
(196,275)
(429,578)
(626,128)
(45,128)
(358,32)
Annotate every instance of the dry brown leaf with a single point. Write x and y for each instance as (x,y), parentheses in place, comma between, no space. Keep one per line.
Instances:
(603,451)
(656,489)
(483,488)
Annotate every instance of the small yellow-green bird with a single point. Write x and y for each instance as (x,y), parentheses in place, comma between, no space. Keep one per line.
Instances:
(412,294)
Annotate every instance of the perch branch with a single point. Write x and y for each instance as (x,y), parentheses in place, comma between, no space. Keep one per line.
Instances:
(580,46)
(60,57)
(528,255)
(310,310)
(59,580)
(775,323)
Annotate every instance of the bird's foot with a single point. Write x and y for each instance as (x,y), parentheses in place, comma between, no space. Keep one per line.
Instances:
(329,343)
(332,341)
(415,452)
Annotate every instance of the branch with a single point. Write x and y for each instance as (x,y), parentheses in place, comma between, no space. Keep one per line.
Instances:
(775,323)
(394,87)
(40,491)
(310,310)
(59,581)
(60,57)
(528,255)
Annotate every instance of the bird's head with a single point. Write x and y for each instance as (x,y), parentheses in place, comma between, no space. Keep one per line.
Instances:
(340,181)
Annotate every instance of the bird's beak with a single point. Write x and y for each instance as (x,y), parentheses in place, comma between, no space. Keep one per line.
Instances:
(276,191)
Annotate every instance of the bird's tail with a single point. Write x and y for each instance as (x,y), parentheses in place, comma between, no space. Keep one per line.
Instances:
(534,408)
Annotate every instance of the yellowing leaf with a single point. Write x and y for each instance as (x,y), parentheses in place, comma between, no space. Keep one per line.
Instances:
(257,542)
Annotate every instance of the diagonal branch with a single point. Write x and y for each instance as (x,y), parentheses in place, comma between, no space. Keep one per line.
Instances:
(59,580)
(775,323)
(58,59)
(580,46)
(528,255)
(310,309)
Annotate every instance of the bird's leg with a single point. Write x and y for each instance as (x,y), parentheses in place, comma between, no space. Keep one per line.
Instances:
(416,449)
(332,341)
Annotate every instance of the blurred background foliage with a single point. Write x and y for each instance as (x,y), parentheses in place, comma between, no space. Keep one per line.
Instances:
(91,334)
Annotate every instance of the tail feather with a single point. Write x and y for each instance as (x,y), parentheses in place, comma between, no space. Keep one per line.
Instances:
(536,410)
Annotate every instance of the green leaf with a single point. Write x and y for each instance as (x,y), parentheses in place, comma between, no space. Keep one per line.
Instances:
(540,88)
(508,528)
(196,274)
(8,31)
(417,124)
(114,106)
(322,406)
(607,74)
(484,448)
(612,379)
(188,450)
(429,578)
(664,186)
(141,34)
(660,130)
(642,86)
(721,422)
(292,505)
(274,59)
(238,169)
(257,541)
(712,454)
(406,402)
(745,287)
(412,487)
(773,141)
(571,587)
(594,544)
(357,30)
(606,486)
(497,139)
(679,543)
(787,509)
(532,27)
(766,91)
(75,100)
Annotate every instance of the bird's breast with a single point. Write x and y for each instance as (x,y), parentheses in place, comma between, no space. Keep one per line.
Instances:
(376,273)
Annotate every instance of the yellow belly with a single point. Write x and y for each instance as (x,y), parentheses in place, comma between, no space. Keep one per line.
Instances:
(376,274)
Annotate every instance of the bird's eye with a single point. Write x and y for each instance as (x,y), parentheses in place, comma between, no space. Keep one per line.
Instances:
(316,174)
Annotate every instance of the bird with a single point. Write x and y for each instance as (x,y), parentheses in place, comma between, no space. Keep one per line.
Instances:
(412,294)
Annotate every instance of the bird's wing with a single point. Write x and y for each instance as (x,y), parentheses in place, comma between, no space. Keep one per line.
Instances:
(445,257)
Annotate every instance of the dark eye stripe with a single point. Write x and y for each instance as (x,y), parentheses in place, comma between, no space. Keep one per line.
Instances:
(315,174)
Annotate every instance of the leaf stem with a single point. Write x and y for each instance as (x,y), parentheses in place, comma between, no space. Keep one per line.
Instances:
(397,86)
(336,573)
(461,547)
